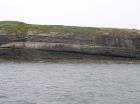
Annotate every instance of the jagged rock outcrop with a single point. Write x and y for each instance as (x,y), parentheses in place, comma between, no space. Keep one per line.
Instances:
(18,39)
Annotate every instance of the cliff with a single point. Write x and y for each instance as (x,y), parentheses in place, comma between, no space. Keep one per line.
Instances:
(21,40)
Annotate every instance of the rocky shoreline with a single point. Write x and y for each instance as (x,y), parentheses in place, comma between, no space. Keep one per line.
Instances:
(27,41)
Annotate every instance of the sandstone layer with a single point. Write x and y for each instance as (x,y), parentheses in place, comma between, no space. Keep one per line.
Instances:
(20,40)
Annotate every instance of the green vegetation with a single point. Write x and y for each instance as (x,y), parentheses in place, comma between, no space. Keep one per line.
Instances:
(15,26)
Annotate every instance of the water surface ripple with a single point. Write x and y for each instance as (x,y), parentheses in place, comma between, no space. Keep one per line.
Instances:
(69,83)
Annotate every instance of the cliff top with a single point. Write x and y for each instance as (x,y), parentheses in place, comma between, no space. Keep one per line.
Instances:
(14,26)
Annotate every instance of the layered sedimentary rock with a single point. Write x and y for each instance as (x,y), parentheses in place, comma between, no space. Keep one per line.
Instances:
(18,39)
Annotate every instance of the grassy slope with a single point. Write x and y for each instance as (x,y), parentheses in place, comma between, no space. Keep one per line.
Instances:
(14,26)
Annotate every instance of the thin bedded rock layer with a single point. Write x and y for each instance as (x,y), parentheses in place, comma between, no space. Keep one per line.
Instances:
(18,39)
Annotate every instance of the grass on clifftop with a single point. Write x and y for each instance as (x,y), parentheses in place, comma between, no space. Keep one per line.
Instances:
(14,26)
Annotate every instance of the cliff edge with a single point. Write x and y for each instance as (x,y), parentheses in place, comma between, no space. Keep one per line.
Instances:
(21,40)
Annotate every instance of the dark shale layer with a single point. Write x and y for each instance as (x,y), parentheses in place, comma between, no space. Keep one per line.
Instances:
(20,40)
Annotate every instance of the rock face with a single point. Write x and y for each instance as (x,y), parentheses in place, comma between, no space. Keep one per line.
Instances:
(18,39)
